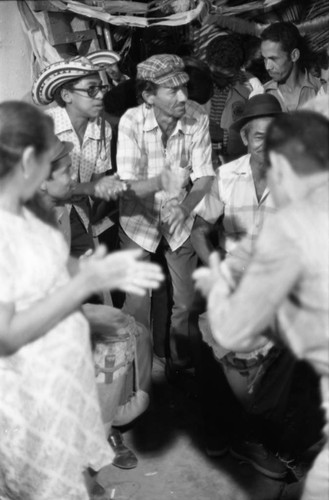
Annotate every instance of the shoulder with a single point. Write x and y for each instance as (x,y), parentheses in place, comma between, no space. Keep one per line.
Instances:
(240,165)
(314,81)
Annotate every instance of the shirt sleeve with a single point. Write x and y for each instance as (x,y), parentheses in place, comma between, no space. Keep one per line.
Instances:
(211,207)
(128,151)
(201,150)
(237,321)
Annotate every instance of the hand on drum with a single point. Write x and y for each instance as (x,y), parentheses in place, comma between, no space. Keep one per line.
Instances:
(120,271)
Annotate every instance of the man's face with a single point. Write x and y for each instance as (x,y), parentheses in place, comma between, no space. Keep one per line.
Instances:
(255,137)
(278,63)
(170,102)
(86,106)
(113,71)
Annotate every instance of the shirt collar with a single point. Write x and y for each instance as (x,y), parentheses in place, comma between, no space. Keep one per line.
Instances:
(65,125)
(308,81)
(151,123)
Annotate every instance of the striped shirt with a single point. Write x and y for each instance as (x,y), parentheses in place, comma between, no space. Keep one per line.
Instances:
(233,196)
(87,158)
(141,155)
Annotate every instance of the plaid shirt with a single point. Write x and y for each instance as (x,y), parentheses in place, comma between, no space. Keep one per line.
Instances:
(233,196)
(87,158)
(141,155)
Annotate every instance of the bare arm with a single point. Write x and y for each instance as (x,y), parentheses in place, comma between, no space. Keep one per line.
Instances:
(119,270)
(200,241)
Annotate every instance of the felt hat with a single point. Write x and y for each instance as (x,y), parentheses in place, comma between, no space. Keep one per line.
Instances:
(166,70)
(60,149)
(103,57)
(58,73)
(258,106)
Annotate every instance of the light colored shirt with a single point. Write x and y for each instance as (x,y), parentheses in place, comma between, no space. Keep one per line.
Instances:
(233,196)
(141,155)
(310,87)
(288,278)
(91,157)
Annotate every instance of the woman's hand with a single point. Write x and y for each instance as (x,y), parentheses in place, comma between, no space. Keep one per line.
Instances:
(120,271)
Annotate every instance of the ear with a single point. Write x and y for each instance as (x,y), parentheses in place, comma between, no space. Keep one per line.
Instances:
(28,161)
(244,137)
(66,96)
(148,97)
(295,55)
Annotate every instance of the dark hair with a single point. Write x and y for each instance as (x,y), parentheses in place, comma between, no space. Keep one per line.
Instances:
(302,137)
(200,86)
(226,52)
(22,125)
(288,36)
(144,86)
(69,86)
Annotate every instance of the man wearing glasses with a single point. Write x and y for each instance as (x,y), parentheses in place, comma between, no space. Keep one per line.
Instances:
(77,89)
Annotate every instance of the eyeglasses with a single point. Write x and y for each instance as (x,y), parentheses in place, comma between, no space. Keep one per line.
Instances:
(93,90)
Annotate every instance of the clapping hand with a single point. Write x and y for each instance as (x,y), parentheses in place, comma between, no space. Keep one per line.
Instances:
(206,277)
(120,271)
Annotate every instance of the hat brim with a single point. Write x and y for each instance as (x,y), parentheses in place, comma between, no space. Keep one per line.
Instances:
(56,75)
(61,149)
(237,126)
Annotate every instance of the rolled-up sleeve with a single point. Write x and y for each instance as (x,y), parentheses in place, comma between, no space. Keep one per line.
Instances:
(201,150)
(128,151)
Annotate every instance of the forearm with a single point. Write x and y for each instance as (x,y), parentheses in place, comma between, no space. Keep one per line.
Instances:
(200,187)
(144,188)
(26,326)
(200,241)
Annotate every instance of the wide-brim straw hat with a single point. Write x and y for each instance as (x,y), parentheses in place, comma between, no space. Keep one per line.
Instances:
(58,73)
(258,106)
(103,57)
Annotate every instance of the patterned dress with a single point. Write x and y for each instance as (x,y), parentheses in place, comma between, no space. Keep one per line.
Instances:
(50,423)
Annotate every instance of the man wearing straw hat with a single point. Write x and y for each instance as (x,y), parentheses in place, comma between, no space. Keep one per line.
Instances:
(76,87)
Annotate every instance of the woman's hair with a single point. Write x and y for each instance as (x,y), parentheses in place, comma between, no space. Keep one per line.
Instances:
(22,125)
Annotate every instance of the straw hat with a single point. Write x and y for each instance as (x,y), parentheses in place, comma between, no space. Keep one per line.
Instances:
(103,57)
(58,73)
(60,149)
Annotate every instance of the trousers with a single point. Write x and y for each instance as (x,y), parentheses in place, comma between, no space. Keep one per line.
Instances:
(181,264)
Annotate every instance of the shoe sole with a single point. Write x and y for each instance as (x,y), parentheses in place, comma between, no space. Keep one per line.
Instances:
(259,468)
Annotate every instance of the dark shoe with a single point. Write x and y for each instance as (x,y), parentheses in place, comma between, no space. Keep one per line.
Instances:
(217,446)
(260,458)
(124,458)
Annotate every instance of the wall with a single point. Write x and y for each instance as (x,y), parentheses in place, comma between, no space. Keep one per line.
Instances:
(15,55)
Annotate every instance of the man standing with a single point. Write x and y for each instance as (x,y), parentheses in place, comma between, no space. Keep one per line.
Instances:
(284,58)
(166,132)
(287,278)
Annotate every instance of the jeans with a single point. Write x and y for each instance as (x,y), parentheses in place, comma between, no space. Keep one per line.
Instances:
(181,263)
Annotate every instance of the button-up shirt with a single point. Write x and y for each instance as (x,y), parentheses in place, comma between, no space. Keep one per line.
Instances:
(141,155)
(90,157)
(310,88)
(288,276)
(233,196)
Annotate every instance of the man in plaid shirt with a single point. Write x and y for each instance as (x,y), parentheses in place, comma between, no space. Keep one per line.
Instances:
(165,133)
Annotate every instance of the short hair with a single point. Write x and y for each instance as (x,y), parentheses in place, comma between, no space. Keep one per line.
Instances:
(303,138)
(145,86)
(226,52)
(285,33)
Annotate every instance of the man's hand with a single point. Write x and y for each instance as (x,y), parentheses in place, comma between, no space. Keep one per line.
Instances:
(109,187)
(206,277)
(170,182)
(176,216)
